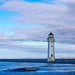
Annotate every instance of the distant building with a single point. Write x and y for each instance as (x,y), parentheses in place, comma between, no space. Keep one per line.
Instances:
(51,53)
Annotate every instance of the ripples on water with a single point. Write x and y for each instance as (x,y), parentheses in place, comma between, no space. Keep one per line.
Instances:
(43,68)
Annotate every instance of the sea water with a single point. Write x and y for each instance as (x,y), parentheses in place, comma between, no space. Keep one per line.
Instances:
(60,67)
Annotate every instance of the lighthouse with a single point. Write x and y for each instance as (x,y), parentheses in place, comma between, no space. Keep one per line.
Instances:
(51,53)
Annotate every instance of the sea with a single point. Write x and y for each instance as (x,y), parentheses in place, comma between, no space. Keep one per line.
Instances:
(59,67)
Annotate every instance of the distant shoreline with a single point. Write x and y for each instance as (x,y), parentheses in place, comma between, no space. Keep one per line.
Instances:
(61,61)
(33,58)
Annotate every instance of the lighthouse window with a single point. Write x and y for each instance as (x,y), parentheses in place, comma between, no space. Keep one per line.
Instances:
(51,55)
(51,45)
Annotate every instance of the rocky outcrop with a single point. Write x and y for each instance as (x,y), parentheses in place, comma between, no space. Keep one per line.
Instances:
(22,69)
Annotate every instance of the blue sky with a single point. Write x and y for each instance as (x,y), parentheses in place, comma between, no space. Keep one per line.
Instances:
(25,25)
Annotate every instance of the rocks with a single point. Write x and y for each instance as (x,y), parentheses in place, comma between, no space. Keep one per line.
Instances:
(22,69)
(31,69)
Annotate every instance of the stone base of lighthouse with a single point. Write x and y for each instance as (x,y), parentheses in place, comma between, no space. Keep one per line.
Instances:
(51,59)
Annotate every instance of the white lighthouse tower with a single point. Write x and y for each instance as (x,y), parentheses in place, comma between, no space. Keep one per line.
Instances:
(51,53)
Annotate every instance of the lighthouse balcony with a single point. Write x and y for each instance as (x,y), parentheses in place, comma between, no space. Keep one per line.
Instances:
(50,39)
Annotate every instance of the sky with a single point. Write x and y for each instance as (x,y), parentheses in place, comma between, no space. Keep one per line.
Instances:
(25,25)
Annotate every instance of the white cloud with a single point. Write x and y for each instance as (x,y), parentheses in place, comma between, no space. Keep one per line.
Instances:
(58,18)
(65,55)
(2,1)
(28,49)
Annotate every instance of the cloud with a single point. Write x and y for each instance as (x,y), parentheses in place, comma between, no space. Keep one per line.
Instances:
(41,33)
(28,49)
(65,55)
(20,49)
(51,17)
(21,46)
(58,17)
(60,1)
(2,1)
